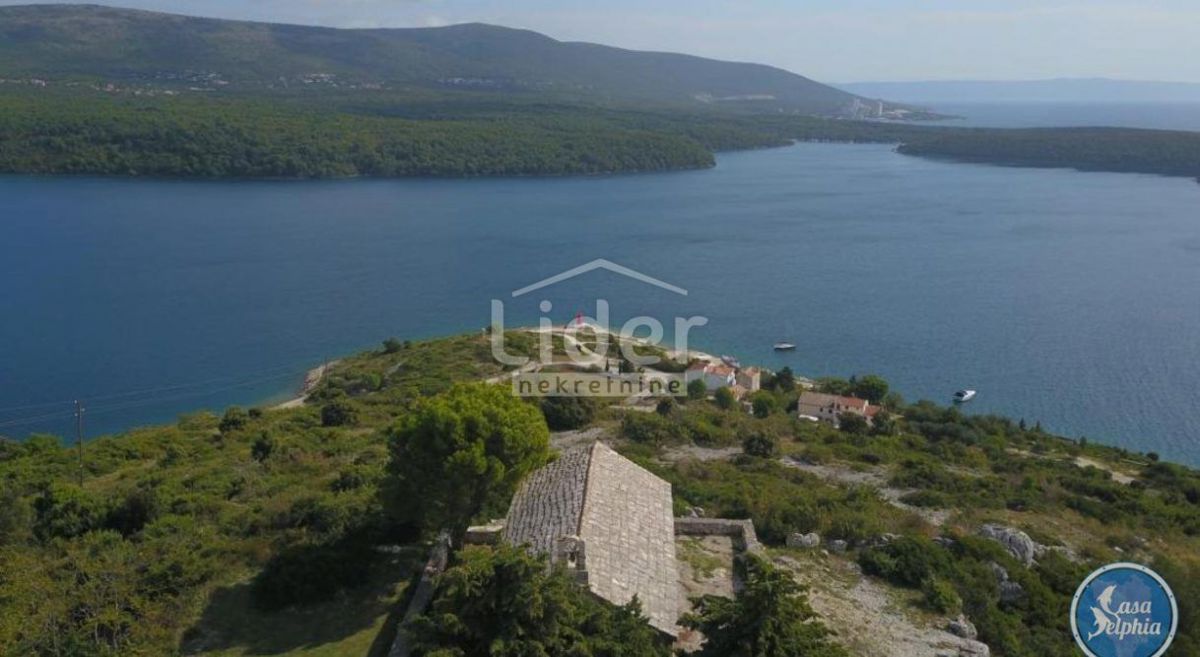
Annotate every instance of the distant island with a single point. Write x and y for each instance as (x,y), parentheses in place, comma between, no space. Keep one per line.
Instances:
(103,91)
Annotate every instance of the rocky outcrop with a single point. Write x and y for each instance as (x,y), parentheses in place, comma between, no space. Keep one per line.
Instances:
(807,541)
(961,627)
(1017,542)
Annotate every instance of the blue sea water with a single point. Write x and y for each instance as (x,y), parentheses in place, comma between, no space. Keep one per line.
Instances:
(1156,116)
(1068,298)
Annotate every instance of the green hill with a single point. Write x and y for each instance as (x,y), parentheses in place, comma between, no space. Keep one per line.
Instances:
(126,46)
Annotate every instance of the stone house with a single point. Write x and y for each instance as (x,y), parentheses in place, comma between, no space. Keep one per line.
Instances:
(827,408)
(609,522)
(749,378)
(714,375)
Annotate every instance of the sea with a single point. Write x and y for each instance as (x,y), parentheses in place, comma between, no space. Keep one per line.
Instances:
(1066,298)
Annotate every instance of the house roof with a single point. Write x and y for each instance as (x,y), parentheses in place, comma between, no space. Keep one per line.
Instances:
(822,399)
(622,514)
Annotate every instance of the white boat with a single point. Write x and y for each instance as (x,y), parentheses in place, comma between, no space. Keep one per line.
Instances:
(784,346)
(731,361)
(964,396)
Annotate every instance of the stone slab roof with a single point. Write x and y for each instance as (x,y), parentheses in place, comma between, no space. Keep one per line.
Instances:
(621,513)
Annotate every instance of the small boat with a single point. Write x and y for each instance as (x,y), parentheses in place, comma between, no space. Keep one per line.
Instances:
(963,396)
(784,346)
(731,361)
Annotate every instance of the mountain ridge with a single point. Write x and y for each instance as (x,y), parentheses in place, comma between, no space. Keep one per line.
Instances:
(145,47)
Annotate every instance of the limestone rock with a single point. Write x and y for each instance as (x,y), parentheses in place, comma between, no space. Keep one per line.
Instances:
(974,649)
(838,546)
(1000,572)
(807,541)
(961,627)
(1017,542)
(1010,592)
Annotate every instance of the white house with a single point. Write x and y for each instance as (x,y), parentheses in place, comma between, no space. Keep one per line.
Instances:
(827,408)
(714,375)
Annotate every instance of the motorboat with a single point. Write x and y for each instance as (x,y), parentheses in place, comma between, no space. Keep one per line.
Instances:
(963,396)
(784,346)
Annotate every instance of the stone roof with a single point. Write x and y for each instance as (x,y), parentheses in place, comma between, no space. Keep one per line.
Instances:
(617,520)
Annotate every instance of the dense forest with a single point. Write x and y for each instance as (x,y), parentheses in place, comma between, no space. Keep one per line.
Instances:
(1171,153)
(383,135)
(293,532)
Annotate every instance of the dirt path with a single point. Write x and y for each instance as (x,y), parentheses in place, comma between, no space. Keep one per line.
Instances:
(870,618)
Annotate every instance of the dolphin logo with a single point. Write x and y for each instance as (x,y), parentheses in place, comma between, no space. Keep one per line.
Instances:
(1101,616)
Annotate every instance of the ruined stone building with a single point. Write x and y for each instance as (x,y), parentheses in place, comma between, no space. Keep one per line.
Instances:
(610,522)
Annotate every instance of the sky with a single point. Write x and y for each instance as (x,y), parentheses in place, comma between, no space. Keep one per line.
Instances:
(829,40)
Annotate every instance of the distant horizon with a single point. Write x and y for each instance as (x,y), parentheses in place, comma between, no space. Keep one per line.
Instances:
(854,42)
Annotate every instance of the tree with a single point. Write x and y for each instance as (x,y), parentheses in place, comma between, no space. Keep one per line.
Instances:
(665,406)
(784,381)
(567,413)
(262,447)
(883,424)
(770,617)
(392,345)
(339,412)
(761,445)
(853,423)
(724,398)
(697,389)
(870,387)
(763,404)
(504,601)
(235,418)
(463,452)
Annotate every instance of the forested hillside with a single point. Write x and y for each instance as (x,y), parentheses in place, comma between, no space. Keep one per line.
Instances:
(276,531)
(89,43)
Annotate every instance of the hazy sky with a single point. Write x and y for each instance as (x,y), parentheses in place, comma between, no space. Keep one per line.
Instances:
(831,40)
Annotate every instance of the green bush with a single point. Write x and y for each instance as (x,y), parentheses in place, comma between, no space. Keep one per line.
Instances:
(309,574)
(760,445)
(568,413)
(940,596)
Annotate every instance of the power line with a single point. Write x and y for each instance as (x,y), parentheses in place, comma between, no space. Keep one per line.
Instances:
(79,437)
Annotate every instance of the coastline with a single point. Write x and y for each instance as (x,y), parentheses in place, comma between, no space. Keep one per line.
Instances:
(312,379)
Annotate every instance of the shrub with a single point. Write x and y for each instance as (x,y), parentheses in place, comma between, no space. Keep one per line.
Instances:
(312,573)
(763,404)
(568,413)
(338,413)
(940,596)
(760,445)
(697,390)
(724,398)
(906,561)
(235,418)
(262,448)
(853,423)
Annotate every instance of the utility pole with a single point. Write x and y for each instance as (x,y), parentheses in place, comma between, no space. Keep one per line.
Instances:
(79,409)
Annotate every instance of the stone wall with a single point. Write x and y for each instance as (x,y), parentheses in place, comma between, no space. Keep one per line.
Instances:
(741,531)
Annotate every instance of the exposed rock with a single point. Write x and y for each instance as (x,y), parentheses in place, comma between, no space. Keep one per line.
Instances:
(961,627)
(695,512)
(1000,572)
(944,541)
(974,649)
(1010,592)
(807,541)
(838,546)
(1017,542)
